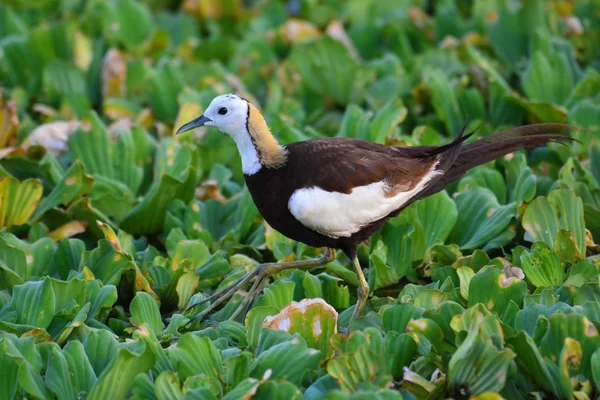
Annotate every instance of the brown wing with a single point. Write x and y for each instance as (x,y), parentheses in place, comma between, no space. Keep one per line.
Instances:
(341,164)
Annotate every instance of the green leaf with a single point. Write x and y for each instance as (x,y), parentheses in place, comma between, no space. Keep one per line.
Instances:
(101,157)
(546,216)
(595,364)
(443,316)
(83,377)
(566,248)
(58,376)
(436,225)
(480,218)
(399,350)
(444,100)
(277,359)
(354,122)
(111,197)
(427,335)
(8,278)
(167,386)
(9,368)
(143,388)
(525,187)
(148,215)
(465,275)
(92,147)
(326,68)
(477,366)
(277,390)
(35,303)
(397,317)
(66,293)
(386,120)
(101,298)
(36,254)
(30,379)
(118,377)
(493,289)
(163,86)
(320,388)
(106,263)
(101,348)
(120,14)
(477,260)
(540,111)
(576,327)
(67,255)
(380,274)
(192,250)
(237,368)
(144,310)
(186,287)
(541,266)
(74,184)
(254,321)
(278,294)
(195,355)
(548,80)
(64,82)
(485,178)
(334,291)
(364,365)
(172,158)
(532,363)
(512,47)
(246,388)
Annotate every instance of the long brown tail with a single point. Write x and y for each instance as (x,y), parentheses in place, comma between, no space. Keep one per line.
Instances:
(497,145)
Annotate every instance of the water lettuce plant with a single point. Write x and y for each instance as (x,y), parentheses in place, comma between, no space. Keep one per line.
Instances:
(110,227)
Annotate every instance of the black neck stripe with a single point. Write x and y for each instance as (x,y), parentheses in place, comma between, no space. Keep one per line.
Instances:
(260,158)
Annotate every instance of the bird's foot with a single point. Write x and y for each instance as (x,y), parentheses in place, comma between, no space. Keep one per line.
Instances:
(261,275)
(346,329)
(361,295)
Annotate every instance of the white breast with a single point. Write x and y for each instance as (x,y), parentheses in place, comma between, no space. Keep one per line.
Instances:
(340,215)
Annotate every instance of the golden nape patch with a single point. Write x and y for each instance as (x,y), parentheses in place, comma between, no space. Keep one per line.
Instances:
(271,154)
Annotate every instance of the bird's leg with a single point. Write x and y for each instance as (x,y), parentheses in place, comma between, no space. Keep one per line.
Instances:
(257,287)
(362,292)
(262,272)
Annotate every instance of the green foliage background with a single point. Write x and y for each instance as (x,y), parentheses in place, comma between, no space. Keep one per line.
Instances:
(111,227)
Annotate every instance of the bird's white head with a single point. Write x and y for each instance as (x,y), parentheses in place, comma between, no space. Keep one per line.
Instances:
(228,113)
(235,116)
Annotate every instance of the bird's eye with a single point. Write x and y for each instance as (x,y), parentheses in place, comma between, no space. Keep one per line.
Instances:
(222,111)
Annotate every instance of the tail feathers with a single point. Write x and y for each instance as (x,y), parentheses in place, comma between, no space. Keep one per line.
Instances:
(526,131)
(497,145)
(450,152)
(457,141)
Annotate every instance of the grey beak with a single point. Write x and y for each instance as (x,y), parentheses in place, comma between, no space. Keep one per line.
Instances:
(200,121)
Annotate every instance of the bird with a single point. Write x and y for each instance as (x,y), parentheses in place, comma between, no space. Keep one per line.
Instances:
(335,192)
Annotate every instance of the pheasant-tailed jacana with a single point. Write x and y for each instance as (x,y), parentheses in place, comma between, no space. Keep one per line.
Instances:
(336,192)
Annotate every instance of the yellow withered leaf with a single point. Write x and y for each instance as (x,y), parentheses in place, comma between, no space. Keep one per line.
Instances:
(114,74)
(18,200)
(313,319)
(67,230)
(9,123)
